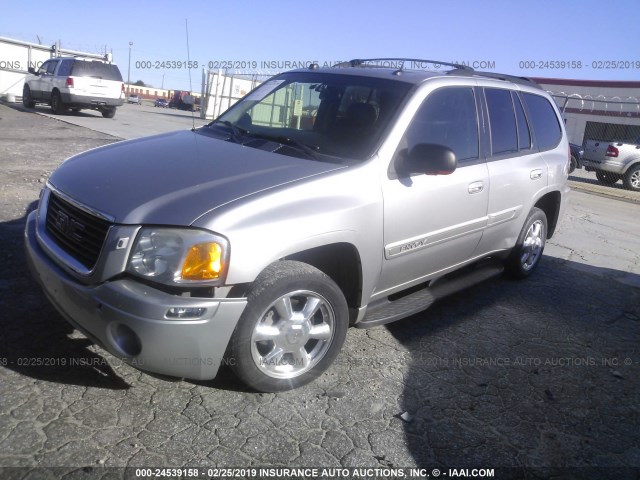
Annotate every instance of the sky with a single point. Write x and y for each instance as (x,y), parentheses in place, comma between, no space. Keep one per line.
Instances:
(588,39)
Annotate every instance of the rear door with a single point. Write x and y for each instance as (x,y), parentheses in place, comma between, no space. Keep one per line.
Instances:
(517,166)
(96,80)
(433,222)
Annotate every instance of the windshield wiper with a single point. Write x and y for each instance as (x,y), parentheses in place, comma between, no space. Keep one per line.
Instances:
(236,132)
(292,142)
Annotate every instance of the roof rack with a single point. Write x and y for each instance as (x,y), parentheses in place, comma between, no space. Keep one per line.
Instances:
(498,76)
(359,62)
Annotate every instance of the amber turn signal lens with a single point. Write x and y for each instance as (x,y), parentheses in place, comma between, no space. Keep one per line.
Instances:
(203,262)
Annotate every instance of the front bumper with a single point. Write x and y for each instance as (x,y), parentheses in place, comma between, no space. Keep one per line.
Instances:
(128,318)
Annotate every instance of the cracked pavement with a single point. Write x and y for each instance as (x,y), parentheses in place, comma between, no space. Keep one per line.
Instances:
(539,373)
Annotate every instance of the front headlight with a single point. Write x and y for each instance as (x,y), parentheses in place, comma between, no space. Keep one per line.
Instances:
(179,256)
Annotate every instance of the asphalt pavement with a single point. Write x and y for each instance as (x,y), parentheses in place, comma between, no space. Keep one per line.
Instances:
(529,375)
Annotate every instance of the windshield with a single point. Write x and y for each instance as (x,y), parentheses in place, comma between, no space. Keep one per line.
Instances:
(328,114)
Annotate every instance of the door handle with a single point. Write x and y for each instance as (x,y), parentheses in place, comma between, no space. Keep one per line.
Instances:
(476,187)
(535,174)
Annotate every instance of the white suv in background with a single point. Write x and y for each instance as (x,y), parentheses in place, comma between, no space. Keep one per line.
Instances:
(76,84)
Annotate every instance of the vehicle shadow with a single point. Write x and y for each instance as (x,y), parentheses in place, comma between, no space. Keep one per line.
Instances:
(522,374)
(35,339)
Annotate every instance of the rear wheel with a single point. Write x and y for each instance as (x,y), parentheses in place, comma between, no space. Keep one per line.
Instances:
(109,112)
(607,178)
(526,255)
(632,178)
(57,105)
(27,99)
(292,329)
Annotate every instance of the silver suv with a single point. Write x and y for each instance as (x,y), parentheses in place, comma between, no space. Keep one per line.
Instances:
(76,84)
(355,195)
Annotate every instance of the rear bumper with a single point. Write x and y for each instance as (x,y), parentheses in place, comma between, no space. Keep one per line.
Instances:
(607,166)
(83,101)
(128,319)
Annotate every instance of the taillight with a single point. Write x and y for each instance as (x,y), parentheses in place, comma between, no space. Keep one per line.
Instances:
(611,151)
(69,82)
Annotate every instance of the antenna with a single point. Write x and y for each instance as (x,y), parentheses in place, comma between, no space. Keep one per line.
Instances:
(193,113)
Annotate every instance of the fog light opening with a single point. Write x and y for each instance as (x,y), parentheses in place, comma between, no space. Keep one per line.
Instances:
(127,340)
(185,312)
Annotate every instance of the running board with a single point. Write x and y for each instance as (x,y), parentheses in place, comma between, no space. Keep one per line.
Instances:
(387,311)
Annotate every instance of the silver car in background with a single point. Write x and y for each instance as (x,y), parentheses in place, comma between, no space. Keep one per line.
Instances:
(327,197)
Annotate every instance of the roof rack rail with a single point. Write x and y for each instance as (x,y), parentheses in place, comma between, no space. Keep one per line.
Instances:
(357,62)
(497,76)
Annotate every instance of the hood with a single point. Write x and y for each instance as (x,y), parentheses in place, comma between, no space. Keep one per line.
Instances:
(174,178)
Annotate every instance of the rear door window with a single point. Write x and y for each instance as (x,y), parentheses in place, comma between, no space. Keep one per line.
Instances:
(504,134)
(51,67)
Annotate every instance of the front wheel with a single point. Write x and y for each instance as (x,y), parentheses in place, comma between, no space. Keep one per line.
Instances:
(632,178)
(526,255)
(27,99)
(292,329)
(606,178)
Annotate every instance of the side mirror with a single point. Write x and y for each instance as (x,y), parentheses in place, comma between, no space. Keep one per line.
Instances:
(429,159)
(32,70)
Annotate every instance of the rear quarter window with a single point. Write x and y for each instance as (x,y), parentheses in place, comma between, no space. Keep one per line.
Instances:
(65,68)
(105,71)
(544,121)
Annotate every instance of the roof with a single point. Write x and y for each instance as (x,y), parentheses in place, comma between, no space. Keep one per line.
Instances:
(411,70)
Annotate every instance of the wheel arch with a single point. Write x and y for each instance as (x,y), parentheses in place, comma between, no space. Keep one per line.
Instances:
(632,163)
(340,261)
(550,205)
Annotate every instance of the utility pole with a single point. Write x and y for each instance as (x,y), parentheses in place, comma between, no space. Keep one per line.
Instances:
(129,71)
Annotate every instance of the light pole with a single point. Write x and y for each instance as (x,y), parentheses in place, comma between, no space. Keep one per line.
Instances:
(129,71)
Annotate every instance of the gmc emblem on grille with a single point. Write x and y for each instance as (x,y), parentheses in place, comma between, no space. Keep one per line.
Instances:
(69,226)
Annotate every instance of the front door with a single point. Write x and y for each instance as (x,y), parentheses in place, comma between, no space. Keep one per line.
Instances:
(433,222)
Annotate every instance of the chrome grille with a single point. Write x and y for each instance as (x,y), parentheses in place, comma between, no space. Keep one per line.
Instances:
(75,231)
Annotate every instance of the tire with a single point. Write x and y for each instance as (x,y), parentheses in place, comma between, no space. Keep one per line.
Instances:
(573,164)
(526,255)
(58,107)
(607,178)
(27,99)
(632,178)
(109,112)
(276,346)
